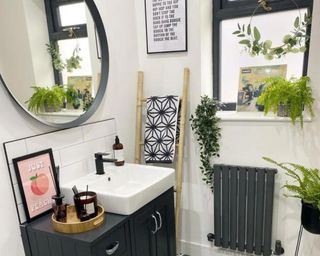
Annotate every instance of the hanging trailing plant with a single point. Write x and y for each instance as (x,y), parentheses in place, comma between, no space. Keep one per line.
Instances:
(205,125)
(294,42)
(57,61)
(74,61)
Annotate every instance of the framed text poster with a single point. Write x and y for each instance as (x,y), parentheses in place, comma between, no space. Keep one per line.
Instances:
(166,25)
(37,182)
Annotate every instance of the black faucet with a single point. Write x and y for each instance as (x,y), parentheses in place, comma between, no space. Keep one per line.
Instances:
(100,160)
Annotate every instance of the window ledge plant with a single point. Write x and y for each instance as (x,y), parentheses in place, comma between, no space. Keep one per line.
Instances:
(205,125)
(46,99)
(294,94)
(305,185)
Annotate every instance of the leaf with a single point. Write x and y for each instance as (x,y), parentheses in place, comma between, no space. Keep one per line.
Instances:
(267,44)
(239,26)
(257,35)
(245,41)
(236,32)
(249,29)
(297,22)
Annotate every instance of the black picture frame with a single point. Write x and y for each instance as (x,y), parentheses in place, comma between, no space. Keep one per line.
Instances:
(43,192)
(184,48)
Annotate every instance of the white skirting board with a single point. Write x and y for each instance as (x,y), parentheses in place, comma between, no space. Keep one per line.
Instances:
(197,249)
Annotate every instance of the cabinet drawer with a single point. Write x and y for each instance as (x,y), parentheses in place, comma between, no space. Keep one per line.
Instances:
(114,244)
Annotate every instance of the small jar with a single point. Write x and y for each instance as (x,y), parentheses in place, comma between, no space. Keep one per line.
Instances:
(59,208)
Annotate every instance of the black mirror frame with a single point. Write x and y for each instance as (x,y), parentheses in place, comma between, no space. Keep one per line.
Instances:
(223,9)
(103,79)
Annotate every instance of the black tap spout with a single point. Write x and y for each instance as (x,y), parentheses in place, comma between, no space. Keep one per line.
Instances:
(100,160)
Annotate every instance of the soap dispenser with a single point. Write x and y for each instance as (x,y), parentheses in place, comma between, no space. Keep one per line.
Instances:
(118,152)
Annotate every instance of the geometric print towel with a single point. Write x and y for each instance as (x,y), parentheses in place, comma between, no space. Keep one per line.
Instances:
(160,129)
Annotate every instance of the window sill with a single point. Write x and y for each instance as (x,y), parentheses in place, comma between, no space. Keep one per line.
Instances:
(234,116)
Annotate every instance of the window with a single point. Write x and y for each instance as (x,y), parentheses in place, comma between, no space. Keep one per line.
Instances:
(228,56)
(67,26)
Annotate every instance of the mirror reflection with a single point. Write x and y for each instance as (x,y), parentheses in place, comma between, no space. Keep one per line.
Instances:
(54,49)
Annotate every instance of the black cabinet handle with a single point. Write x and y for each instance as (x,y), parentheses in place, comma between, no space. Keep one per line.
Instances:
(155,223)
(113,247)
(160,220)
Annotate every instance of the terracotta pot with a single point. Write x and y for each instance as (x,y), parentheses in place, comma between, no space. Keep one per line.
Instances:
(310,218)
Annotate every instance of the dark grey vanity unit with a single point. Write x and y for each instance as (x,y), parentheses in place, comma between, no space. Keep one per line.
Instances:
(150,231)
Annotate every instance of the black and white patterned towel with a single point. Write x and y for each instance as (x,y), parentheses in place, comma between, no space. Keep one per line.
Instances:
(160,129)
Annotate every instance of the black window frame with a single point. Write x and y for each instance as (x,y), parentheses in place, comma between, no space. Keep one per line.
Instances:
(58,32)
(225,9)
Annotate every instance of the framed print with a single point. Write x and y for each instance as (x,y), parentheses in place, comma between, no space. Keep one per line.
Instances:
(166,26)
(251,85)
(37,182)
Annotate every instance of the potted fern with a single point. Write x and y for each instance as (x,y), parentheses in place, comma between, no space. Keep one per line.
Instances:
(205,124)
(305,186)
(46,99)
(287,97)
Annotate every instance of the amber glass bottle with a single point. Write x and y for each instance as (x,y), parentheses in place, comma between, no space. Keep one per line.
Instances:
(118,152)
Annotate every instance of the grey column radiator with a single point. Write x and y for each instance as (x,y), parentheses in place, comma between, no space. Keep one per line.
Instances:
(243,208)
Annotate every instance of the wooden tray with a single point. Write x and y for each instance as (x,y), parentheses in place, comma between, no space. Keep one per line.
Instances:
(74,225)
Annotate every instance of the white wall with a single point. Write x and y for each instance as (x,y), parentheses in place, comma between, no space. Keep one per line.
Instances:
(242,142)
(118,103)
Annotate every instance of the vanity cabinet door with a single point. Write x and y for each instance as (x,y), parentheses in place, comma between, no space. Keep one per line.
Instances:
(154,228)
(144,239)
(165,236)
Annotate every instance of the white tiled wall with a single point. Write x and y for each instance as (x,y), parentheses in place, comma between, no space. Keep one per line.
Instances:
(73,150)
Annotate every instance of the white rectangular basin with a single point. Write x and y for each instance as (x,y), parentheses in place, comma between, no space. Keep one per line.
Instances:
(124,189)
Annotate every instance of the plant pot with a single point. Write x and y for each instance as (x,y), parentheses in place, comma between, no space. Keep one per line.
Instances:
(283,110)
(310,218)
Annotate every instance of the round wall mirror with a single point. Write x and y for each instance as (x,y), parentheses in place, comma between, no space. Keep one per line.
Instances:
(54,58)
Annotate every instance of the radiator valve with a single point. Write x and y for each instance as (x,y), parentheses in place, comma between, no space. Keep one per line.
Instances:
(278,248)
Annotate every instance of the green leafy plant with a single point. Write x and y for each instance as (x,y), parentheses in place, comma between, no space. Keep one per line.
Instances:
(296,94)
(70,64)
(74,61)
(57,61)
(46,99)
(294,42)
(205,125)
(87,99)
(305,184)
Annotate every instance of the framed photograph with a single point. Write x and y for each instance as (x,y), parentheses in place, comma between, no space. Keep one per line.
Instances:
(251,85)
(166,26)
(37,182)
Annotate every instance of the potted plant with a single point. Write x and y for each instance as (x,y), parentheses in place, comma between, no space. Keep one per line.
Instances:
(287,97)
(305,186)
(205,124)
(46,99)
(73,97)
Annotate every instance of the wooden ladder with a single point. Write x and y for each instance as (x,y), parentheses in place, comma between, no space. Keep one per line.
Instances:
(180,146)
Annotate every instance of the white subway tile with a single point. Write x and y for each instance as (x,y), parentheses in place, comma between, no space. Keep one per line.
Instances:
(56,140)
(22,213)
(98,130)
(15,149)
(110,142)
(13,174)
(73,171)
(18,194)
(56,157)
(81,151)
(74,153)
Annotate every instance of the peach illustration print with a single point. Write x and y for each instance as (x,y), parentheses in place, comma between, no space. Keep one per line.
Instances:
(39,184)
